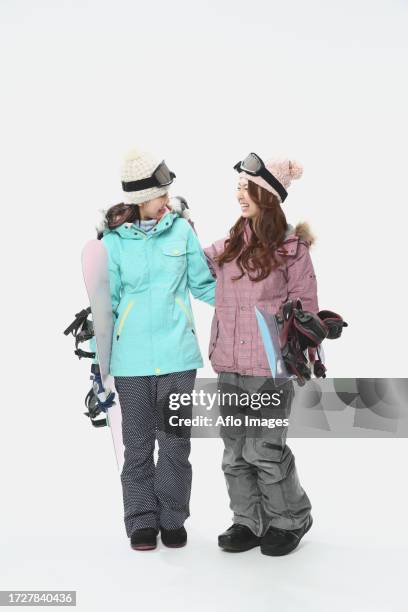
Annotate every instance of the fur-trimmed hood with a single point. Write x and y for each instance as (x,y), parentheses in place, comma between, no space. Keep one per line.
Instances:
(302,231)
(179,207)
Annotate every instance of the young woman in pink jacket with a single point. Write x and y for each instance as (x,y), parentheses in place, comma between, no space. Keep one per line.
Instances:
(264,262)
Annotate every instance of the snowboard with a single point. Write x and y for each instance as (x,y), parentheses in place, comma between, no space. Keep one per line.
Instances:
(96,278)
(269,332)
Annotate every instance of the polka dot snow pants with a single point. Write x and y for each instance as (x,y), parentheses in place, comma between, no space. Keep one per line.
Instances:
(154,495)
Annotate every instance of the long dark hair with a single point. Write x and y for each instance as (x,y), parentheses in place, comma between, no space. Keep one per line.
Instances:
(118,214)
(268,233)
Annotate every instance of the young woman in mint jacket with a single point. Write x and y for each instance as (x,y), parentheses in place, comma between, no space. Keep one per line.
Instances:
(264,262)
(155,260)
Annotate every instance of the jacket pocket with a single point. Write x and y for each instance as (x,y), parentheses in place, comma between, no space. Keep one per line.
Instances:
(271,449)
(272,443)
(213,336)
(222,353)
(174,256)
(189,317)
(183,318)
(123,318)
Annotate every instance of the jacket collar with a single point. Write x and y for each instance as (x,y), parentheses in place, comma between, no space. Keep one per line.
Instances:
(292,236)
(131,231)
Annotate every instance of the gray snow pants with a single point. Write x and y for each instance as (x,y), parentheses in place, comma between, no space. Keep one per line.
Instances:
(258,465)
(154,495)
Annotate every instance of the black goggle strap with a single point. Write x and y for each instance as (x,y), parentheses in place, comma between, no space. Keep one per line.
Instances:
(269,178)
(146,183)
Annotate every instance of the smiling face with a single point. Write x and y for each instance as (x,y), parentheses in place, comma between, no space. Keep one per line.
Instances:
(154,209)
(249,209)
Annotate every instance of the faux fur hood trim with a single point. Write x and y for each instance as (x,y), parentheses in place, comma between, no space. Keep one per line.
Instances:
(101,225)
(303,231)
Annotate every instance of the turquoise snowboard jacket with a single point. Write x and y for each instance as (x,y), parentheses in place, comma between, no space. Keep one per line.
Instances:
(150,275)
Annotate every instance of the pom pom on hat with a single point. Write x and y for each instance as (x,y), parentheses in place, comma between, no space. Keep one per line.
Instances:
(295,169)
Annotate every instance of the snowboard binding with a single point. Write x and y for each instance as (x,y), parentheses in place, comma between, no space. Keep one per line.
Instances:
(301,334)
(91,402)
(82,330)
(97,400)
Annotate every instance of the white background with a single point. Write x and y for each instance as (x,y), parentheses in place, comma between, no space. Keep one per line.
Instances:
(200,84)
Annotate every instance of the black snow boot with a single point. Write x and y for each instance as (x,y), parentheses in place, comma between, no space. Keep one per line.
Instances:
(144,539)
(277,542)
(238,538)
(174,538)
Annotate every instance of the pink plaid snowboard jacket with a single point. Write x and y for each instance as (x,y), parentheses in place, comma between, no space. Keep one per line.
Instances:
(235,341)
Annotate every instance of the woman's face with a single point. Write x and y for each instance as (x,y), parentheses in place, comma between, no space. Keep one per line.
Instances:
(154,209)
(248,207)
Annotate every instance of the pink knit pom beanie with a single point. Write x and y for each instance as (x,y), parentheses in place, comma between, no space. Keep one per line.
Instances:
(284,170)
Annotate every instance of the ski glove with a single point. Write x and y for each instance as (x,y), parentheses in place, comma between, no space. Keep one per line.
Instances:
(104,397)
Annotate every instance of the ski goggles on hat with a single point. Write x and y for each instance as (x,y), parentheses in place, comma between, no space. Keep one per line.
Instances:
(254,166)
(161,177)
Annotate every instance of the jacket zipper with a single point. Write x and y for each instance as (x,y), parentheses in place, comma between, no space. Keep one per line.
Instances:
(123,318)
(214,343)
